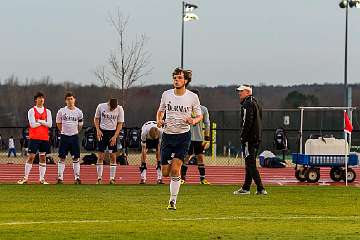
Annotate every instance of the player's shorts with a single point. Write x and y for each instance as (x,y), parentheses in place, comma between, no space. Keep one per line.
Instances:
(39,146)
(152,143)
(69,144)
(196,147)
(174,146)
(105,141)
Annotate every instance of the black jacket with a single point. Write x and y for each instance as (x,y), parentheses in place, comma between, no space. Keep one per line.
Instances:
(251,115)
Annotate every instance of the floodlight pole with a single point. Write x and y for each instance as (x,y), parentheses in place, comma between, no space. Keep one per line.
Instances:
(346,104)
(182,34)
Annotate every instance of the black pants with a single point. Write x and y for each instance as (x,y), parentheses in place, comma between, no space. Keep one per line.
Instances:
(250,152)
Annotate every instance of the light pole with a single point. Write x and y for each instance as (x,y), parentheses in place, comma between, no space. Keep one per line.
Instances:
(346,4)
(186,15)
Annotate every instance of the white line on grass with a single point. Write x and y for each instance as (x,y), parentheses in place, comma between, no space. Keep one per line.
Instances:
(338,218)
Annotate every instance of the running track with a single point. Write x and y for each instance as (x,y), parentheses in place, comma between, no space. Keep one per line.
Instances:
(10,173)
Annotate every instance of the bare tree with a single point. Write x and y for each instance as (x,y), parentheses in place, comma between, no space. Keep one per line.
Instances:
(126,64)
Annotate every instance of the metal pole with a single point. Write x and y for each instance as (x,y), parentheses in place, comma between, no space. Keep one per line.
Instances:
(346,57)
(182,34)
(301,129)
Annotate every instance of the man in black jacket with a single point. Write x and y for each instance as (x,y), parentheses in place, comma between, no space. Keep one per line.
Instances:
(250,139)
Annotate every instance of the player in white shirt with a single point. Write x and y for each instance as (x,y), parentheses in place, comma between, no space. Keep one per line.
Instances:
(69,121)
(109,118)
(40,121)
(177,105)
(150,139)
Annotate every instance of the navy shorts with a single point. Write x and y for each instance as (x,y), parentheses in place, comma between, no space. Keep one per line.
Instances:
(69,144)
(196,148)
(105,141)
(174,146)
(39,146)
(152,143)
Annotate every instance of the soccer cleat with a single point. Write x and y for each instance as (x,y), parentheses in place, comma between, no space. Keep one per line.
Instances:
(112,181)
(77,181)
(262,192)
(242,192)
(24,180)
(44,182)
(59,181)
(142,181)
(99,181)
(183,182)
(204,181)
(171,206)
(160,181)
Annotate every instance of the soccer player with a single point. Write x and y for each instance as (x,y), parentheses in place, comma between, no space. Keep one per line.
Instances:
(177,105)
(109,118)
(40,121)
(69,121)
(150,139)
(199,143)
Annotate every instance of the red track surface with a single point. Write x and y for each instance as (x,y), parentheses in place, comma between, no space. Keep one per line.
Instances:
(10,173)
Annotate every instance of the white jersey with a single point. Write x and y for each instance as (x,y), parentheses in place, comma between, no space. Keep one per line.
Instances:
(70,120)
(146,129)
(177,109)
(109,119)
(31,117)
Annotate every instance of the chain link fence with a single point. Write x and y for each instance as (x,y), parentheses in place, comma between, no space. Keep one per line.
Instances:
(225,147)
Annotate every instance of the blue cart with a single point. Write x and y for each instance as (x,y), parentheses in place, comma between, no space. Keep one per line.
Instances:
(308,166)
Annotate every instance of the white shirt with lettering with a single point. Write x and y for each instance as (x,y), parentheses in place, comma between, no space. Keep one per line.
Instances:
(70,120)
(146,129)
(109,119)
(177,109)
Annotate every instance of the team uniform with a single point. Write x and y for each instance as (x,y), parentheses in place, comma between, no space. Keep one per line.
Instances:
(197,145)
(176,138)
(70,120)
(40,120)
(108,123)
(149,143)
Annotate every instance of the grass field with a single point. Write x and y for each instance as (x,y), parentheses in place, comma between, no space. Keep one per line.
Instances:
(204,212)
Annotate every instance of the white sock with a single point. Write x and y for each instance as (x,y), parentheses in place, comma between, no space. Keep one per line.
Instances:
(76,167)
(174,188)
(61,169)
(159,173)
(143,175)
(99,169)
(112,171)
(42,170)
(28,167)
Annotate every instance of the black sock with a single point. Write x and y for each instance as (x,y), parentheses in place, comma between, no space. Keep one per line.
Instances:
(158,166)
(142,167)
(184,168)
(201,168)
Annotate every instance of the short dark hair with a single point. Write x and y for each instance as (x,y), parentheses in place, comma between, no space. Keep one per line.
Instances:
(196,91)
(38,95)
(69,94)
(113,102)
(178,71)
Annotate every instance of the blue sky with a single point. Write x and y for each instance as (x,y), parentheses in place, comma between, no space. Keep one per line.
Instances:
(259,42)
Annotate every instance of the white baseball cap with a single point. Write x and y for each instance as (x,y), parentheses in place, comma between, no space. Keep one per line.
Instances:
(244,87)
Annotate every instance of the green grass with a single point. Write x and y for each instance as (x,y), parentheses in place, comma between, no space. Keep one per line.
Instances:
(204,212)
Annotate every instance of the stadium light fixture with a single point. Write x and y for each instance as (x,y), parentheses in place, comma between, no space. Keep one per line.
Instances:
(186,16)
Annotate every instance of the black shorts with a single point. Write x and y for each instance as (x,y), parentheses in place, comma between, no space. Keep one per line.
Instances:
(105,141)
(69,144)
(196,147)
(152,143)
(174,146)
(39,146)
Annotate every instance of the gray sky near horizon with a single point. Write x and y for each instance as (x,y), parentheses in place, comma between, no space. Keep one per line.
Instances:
(282,42)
